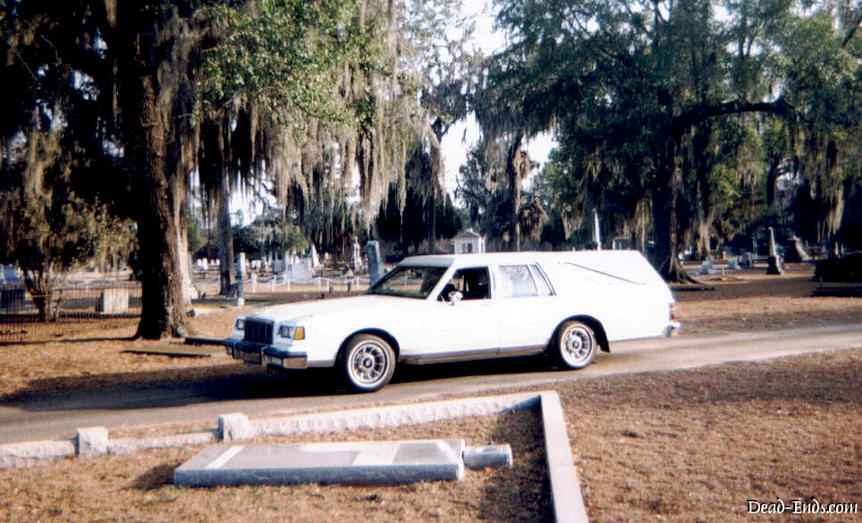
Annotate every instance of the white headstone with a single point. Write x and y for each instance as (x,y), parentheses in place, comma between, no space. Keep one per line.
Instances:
(315,259)
(113,301)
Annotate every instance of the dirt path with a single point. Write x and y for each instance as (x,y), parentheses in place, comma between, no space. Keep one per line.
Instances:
(200,399)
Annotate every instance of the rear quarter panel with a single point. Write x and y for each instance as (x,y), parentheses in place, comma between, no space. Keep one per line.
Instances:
(627,309)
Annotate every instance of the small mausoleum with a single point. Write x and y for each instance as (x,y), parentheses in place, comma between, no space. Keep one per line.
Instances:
(468,242)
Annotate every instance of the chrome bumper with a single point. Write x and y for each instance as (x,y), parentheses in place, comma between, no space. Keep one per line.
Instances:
(266,355)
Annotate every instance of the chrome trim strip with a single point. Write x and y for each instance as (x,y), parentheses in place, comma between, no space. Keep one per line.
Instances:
(471,355)
(527,350)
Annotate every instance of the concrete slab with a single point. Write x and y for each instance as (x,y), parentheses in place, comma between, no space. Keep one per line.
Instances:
(92,441)
(477,458)
(384,462)
(566,496)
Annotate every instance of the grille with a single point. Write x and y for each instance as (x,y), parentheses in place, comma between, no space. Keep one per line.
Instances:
(258,331)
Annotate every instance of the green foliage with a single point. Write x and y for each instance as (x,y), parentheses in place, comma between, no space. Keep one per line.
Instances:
(484,189)
(268,234)
(670,107)
(439,64)
(59,232)
(196,240)
(285,55)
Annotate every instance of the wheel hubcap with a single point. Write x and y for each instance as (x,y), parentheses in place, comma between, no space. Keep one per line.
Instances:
(577,344)
(369,363)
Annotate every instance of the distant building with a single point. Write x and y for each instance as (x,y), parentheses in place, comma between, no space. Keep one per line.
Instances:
(468,242)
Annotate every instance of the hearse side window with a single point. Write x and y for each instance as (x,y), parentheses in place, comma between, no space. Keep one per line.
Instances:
(517,282)
(471,282)
(541,281)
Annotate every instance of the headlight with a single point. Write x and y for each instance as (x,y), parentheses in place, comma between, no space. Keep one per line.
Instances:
(291,332)
(239,324)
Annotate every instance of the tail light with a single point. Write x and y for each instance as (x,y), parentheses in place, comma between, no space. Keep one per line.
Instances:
(672,311)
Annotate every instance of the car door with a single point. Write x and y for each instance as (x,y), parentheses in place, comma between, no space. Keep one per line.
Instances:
(524,305)
(456,327)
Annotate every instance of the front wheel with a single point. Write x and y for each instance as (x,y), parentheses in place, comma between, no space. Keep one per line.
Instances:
(367,362)
(575,345)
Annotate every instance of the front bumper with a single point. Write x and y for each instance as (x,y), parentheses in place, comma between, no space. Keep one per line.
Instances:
(266,355)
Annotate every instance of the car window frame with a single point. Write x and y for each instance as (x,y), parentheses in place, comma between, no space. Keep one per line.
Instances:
(389,275)
(450,275)
(542,275)
(499,269)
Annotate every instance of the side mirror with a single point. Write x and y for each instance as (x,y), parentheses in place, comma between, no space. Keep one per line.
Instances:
(454,297)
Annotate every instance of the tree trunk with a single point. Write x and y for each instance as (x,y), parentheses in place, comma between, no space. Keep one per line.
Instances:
(163,305)
(159,196)
(432,220)
(665,226)
(227,265)
(155,57)
(38,284)
(514,170)
(771,177)
(184,261)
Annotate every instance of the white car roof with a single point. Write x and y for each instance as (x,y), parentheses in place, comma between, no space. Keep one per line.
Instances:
(625,264)
(469,260)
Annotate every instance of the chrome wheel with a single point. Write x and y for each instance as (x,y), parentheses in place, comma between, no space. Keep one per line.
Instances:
(576,345)
(369,363)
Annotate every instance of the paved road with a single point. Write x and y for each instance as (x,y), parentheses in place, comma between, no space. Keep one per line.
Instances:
(51,415)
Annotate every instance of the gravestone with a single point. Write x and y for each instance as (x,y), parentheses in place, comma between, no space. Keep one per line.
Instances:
(356,256)
(363,462)
(795,252)
(12,299)
(773,260)
(733,264)
(315,258)
(300,271)
(375,263)
(113,301)
(240,274)
(9,274)
(706,267)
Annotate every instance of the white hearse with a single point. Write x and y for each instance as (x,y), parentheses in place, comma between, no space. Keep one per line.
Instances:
(465,307)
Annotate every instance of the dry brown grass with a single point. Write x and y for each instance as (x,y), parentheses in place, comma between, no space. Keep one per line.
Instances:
(696,445)
(686,446)
(138,487)
(753,300)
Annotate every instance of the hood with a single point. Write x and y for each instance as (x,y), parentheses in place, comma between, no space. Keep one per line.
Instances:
(305,309)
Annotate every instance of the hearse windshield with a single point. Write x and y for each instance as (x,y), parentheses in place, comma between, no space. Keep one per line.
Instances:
(408,281)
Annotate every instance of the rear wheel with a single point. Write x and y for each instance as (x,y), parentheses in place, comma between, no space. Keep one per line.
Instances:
(367,363)
(575,345)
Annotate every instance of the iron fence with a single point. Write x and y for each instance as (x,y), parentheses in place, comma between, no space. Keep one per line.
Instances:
(90,296)
(93,298)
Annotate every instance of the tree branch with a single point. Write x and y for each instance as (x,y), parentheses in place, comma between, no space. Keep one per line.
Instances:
(685,121)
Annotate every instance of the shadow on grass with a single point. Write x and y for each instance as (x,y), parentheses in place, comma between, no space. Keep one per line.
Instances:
(227,382)
(121,339)
(164,388)
(504,366)
(788,286)
(157,477)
